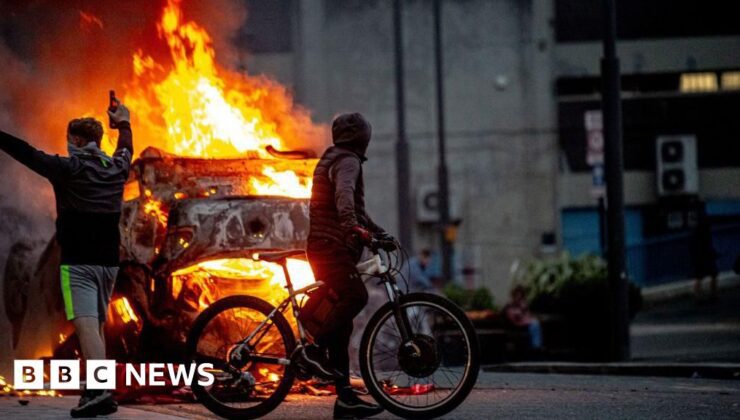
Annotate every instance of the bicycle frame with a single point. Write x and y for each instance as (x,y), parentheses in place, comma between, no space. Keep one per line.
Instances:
(391,288)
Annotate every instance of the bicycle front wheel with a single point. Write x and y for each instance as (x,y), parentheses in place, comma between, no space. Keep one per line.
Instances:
(249,381)
(430,373)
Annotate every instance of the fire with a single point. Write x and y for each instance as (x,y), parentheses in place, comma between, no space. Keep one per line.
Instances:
(286,183)
(201,277)
(189,106)
(155,208)
(124,310)
(192,107)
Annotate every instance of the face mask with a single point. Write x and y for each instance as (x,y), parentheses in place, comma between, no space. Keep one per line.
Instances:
(72,149)
(90,148)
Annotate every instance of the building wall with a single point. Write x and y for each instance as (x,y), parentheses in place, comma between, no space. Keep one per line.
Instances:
(499,113)
(650,56)
(500,64)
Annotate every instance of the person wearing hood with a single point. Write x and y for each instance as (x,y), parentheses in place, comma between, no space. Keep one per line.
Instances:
(339,229)
(88,189)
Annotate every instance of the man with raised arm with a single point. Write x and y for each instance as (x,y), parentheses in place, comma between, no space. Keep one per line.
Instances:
(88,187)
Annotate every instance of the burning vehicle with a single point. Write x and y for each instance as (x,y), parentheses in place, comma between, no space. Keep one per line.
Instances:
(189,229)
(223,171)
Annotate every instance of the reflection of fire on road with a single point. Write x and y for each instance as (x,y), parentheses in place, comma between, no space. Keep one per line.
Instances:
(224,170)
(7,389)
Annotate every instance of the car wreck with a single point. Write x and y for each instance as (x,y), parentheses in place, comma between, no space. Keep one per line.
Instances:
(189,228)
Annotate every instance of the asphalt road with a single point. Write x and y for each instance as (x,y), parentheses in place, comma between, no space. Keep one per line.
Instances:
(497,395)
(683,331)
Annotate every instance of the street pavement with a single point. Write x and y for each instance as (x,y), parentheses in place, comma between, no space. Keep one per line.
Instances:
(683,331)
(497,395)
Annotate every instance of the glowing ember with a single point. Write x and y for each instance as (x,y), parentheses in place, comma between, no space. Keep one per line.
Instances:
(154,208)
(8,389)
(124,310)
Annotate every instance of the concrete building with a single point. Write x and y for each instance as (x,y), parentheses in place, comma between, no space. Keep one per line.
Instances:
(515,72)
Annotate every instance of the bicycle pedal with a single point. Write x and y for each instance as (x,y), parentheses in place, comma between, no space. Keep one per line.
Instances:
(302,374)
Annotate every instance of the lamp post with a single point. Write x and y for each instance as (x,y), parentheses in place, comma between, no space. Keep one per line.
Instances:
(402,148)
(614,166)
(442,178)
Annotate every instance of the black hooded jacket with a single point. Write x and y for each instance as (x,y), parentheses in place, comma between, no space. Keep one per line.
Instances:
(88,187)
(338,194)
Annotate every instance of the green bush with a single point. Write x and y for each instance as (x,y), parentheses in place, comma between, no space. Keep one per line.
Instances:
(576,291)
(469,300)
(551,276)
(564,284)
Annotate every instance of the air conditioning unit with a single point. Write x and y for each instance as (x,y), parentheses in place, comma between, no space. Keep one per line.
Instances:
(427,205)
(676,167)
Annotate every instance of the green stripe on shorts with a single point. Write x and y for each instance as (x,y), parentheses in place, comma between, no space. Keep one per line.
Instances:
(67,292)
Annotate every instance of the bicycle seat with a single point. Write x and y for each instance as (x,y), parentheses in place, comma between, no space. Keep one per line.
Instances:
(277,256)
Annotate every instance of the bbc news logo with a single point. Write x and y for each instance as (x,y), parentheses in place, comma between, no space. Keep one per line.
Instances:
(101,374)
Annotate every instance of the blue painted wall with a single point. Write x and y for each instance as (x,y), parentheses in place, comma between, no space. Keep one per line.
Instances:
(653,260)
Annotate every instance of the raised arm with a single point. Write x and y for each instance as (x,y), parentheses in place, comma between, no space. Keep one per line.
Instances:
(49,166)
(125,145)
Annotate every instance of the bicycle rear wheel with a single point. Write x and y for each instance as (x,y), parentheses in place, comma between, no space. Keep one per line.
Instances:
(248,383)
(428,375)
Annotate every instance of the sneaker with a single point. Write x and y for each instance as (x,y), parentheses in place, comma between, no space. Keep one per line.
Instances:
(86,396)
(95,403)
(353,407)
(314,359)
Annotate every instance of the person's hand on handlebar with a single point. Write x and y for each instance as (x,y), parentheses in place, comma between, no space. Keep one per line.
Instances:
(385,242)
(384,236)
(361,235)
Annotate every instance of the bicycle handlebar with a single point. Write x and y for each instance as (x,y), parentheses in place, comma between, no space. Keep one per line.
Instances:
(386,245)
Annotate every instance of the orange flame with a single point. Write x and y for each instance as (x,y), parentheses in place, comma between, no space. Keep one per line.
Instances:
(237,275)
(124,310)
(192,107)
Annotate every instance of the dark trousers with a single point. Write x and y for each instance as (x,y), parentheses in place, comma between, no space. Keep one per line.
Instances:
(335,266)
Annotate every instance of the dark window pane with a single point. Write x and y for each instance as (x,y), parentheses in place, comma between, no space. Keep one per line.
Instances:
(581,20)
(712,118)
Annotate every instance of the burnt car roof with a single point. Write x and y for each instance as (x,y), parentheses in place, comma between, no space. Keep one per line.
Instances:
(186,210)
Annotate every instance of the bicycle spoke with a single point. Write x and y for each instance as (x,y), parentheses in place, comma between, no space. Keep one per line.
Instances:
(255,381)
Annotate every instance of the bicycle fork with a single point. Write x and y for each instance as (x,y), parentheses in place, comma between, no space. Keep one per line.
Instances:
(399,314)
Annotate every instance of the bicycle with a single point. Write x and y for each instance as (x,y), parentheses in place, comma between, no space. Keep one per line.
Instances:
(419,354)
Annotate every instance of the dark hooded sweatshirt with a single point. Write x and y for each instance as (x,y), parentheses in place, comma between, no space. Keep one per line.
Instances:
(338,194)
(88,186)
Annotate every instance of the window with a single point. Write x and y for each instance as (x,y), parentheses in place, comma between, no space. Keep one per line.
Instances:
(699,82)
(731,80)
(581,20)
